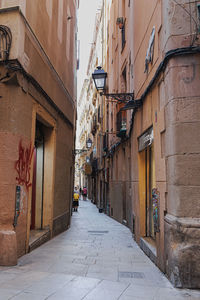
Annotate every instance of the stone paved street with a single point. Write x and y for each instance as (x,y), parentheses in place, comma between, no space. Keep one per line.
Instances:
(96,259)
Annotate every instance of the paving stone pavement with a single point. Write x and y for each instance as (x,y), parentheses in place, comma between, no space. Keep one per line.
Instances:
(96,259)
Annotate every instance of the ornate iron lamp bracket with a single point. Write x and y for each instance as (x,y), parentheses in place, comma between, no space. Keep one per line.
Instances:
(119,97)
(79,151)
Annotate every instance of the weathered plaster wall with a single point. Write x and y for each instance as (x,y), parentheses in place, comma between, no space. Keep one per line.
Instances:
(28,48)
(15,127)
(180,23)
(16,139)
(183,160)
(22,103)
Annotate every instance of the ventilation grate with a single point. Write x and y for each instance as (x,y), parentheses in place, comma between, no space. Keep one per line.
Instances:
(98,231)
(138,275)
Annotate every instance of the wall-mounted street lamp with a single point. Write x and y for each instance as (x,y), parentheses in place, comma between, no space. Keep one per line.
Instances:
(89,143)
(99,76)
(88,146)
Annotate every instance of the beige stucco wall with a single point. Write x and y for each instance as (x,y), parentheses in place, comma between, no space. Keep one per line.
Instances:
(48,20)
(34,52)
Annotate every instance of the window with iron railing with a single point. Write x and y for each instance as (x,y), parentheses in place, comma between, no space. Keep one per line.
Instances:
(5,42)
(121,124)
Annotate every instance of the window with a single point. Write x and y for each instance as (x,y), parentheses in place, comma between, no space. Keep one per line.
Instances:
(123,37)
(123,81)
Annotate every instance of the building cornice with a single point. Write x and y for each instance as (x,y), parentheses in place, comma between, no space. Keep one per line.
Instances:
(15,67)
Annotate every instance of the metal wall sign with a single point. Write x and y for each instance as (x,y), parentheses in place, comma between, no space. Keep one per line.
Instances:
(146,139)
(88,169)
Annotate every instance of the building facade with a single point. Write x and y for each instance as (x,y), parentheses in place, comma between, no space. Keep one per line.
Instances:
(89,123)
(166,55)
(150,151)
(37,123)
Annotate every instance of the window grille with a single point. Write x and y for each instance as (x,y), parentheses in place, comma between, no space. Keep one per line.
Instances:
(5,42)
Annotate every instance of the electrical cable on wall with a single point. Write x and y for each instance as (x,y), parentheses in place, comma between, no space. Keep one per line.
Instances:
(191,18)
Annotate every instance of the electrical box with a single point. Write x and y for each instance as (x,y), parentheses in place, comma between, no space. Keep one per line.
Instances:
(17,204)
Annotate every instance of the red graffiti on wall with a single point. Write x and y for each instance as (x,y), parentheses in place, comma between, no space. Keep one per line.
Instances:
(23,165)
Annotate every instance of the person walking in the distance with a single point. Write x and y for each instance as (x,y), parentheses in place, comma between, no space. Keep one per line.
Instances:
(84,193)
(75,200)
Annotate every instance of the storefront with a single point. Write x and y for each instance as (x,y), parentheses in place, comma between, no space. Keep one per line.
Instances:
(147,186)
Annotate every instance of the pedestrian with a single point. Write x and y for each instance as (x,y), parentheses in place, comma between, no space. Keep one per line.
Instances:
(84,193)
(75,200)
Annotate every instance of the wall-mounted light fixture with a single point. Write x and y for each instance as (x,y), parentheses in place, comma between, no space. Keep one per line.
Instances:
(89,143)
(99,76)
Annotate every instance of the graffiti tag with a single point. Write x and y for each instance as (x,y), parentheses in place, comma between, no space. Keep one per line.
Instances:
(156,201)
(23,165)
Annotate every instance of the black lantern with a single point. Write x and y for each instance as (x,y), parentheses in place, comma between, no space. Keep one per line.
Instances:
(99,77)
(89,143)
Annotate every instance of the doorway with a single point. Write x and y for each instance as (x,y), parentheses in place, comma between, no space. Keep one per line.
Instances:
(147,184)
(41,202)
(38,180)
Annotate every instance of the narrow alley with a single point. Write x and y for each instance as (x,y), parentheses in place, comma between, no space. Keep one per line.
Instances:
(96,259)
(100,99)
